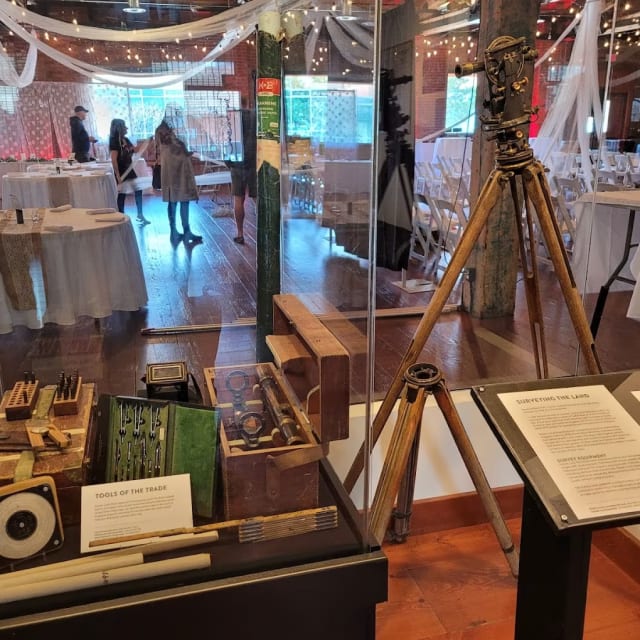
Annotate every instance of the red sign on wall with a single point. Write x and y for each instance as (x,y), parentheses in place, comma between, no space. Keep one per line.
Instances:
(269,86)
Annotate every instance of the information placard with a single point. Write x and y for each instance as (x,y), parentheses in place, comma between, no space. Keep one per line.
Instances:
(587,442)
(134,507)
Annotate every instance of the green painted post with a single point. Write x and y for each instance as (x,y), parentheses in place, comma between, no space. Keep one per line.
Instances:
(269,95)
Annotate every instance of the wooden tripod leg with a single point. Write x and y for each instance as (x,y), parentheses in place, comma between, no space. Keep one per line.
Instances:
(538,189)
(531,285)
(477,222)
(470,459)
(402,513)
(409,417)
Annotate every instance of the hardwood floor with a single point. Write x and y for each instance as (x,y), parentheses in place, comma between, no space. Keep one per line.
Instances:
(215,284)
(456,585)
(450,584)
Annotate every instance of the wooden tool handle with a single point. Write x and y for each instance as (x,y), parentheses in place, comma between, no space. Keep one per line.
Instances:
(35,440)
(58,437)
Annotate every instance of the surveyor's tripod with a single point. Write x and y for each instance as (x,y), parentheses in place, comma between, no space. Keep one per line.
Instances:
(399,470)
(504,63)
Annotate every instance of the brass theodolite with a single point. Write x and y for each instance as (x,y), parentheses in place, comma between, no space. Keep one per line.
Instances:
(505,64)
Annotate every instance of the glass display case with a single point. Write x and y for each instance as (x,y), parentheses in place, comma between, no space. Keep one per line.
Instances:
(274,365)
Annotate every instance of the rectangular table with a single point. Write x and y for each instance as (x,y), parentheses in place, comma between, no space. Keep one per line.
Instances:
(81,188)
(606,241)
(67,265)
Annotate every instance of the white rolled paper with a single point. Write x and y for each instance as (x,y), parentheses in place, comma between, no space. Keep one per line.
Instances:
(102,578)
(68,569)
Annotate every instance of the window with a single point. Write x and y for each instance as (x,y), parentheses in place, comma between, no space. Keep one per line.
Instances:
(461,104)
(332,113)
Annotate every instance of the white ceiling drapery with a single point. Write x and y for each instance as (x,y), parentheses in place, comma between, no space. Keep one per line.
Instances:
(234,24)
(579,93)
(10,76)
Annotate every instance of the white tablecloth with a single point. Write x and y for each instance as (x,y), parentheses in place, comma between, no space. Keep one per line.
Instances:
(89,189)
(598,250)
(92,270)
(13,167)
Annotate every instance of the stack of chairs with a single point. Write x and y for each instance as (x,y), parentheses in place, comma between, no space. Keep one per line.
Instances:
(438,223)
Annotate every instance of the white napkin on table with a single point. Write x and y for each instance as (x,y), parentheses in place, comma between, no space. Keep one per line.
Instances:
(110,217)
(60,228)
(93,212)
(61,208)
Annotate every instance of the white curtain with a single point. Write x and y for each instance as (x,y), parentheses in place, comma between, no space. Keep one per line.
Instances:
(233,25)
(579,96)
(8,73)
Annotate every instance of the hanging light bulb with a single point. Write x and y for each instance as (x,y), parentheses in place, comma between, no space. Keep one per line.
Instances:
(134,7)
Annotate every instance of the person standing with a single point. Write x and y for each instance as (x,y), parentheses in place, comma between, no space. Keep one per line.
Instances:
(177,180)
(121,150)
(80,139)
(244,178)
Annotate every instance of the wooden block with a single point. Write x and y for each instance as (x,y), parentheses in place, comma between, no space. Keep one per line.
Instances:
(36,440)
(68,406)
(22,400)
(288,352)
(323,377)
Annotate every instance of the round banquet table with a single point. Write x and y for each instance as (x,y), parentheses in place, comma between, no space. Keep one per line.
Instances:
(90,189)
(67,265)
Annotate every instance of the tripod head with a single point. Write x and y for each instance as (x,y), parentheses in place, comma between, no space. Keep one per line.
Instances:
(505,67)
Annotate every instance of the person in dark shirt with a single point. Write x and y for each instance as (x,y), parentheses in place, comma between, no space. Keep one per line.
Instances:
(244,179)
(121,150)
(80,139)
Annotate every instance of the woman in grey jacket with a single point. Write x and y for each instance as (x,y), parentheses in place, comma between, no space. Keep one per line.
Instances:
(178,181)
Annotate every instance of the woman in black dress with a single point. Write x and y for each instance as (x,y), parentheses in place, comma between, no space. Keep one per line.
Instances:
(121,150)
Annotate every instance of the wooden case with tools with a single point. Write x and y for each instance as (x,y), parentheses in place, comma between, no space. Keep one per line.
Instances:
(50,445)
(277,419)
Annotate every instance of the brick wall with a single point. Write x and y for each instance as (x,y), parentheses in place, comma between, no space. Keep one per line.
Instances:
(430,88)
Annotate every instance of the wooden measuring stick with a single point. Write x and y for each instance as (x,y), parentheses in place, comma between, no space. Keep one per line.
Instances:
(262,520)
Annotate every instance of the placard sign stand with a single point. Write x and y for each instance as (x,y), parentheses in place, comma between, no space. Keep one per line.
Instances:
(556,537)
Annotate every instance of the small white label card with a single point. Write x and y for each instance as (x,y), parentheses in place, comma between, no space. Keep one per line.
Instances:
(132,508)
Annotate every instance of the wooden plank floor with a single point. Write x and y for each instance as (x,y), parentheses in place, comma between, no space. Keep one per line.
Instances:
(215,282)
(447,585)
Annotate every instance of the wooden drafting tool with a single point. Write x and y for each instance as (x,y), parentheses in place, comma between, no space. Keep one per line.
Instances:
(37,430)
(254,529)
